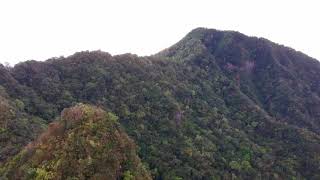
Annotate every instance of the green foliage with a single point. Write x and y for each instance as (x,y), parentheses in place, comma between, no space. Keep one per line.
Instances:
(235,165)
(19,104)
(127,175)
(93,140)
(216,105)
(17,128)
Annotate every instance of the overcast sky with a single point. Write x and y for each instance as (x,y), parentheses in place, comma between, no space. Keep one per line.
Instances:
(40,29)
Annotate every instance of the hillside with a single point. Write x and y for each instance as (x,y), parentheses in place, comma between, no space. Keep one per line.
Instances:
(280,80)
(216,105)
(17,127)
(85,143)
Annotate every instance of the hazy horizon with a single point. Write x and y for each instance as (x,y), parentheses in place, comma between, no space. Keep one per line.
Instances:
(40,30)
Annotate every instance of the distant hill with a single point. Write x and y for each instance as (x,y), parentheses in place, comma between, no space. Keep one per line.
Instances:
(216,105)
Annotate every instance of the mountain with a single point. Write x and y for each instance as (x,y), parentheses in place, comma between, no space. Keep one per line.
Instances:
(85,143)
(282,81)
(216,105)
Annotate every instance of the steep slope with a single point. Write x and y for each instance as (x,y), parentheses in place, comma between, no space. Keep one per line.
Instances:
(17,128)
(217,105)
(86,143)
(33,104)
(282,81)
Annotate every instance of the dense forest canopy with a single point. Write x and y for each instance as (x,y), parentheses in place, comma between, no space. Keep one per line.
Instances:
(84,143)
(216,105)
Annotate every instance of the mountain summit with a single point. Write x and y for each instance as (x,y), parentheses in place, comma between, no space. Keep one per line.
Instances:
(216,105)
(266,72)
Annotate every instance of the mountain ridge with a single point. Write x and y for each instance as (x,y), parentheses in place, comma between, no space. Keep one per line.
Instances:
(219,105)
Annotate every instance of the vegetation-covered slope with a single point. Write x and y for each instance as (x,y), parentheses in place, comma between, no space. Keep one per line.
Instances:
(285,83)
(86,143)
(17,128)
(217,105)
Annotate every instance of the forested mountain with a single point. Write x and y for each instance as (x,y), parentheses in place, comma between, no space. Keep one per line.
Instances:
(216,105)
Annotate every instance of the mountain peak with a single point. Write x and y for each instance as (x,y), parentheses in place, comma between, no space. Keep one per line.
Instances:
(216,105)
(199,40)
